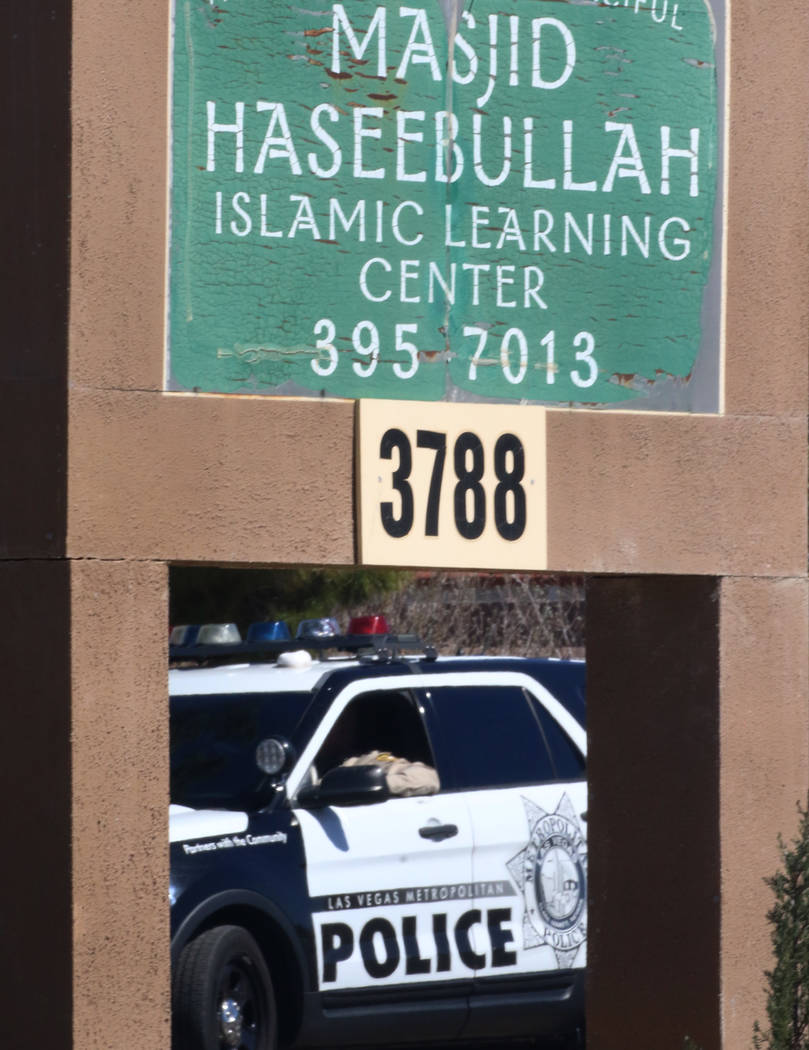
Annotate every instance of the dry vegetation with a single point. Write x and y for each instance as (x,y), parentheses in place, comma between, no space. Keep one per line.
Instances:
(518,614)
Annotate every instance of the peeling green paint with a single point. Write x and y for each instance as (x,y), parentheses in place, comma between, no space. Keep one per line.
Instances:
(526,215)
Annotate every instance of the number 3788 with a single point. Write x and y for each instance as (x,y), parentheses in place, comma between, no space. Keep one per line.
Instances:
(472,504)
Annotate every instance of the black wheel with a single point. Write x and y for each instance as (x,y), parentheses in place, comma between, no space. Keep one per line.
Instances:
(222,997)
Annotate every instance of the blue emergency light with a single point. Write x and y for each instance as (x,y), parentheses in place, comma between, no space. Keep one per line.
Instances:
(271,631)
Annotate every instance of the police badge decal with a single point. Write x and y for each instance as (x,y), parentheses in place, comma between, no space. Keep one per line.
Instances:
(551,872)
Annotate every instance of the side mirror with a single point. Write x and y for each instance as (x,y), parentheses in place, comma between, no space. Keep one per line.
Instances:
(347,786)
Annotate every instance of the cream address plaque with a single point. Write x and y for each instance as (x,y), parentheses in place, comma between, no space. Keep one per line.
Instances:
(451,485)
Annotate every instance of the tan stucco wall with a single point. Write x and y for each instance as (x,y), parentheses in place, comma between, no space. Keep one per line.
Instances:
(256,480)
(154,477)
(634,493)
(119,787)
(626,493)
(229,479)
(767,214)
(119,194)
(763,775)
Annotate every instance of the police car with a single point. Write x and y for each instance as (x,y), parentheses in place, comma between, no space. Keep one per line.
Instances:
(313,905)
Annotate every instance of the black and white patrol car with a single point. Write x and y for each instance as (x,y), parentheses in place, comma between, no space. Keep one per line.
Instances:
(311,907)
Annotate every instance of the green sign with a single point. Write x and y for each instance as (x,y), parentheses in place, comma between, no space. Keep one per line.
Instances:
(515,203)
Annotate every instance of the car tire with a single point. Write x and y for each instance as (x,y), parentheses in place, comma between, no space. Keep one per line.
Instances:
(222,995)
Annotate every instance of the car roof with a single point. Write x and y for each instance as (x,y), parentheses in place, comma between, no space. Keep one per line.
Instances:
(279,677)
(251,678)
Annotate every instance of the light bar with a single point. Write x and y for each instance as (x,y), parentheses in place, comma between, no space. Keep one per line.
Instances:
(368,625)
(271,631)
(324,627)
(218,634)
(184,634)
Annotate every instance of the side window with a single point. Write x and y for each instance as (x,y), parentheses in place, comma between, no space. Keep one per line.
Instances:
(567,759)
(492,736)
(386,722)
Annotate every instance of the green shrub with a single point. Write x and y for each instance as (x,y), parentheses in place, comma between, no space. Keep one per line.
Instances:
(788,981)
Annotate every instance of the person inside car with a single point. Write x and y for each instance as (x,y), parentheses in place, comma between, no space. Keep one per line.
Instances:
(403,777)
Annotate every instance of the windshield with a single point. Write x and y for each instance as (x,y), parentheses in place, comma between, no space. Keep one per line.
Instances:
(213,746)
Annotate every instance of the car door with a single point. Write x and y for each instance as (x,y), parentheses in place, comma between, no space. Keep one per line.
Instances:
(528,809)
(390,882)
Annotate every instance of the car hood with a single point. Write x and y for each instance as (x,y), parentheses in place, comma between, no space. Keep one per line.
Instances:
(186,823)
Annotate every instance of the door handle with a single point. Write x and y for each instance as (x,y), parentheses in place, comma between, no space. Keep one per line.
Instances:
(438,832)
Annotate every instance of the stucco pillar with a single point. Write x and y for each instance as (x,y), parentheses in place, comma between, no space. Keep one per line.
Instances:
(699,731)
(84,782)
(119,791)
(764,745)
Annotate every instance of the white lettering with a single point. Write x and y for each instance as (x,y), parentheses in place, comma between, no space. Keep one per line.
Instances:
(477,151)
(276,145)
(528,179)
(511,229)
(625,167)
(238,200)
(340,18)
(468,50)
(537,80)
(336,212)
(304,217)
(361,133)
(403,136)
(680,242)
(691,154)
(364,281)
(215,129)
(417,208)
(326,109)
(567,149)
(446,147)
(418,51)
